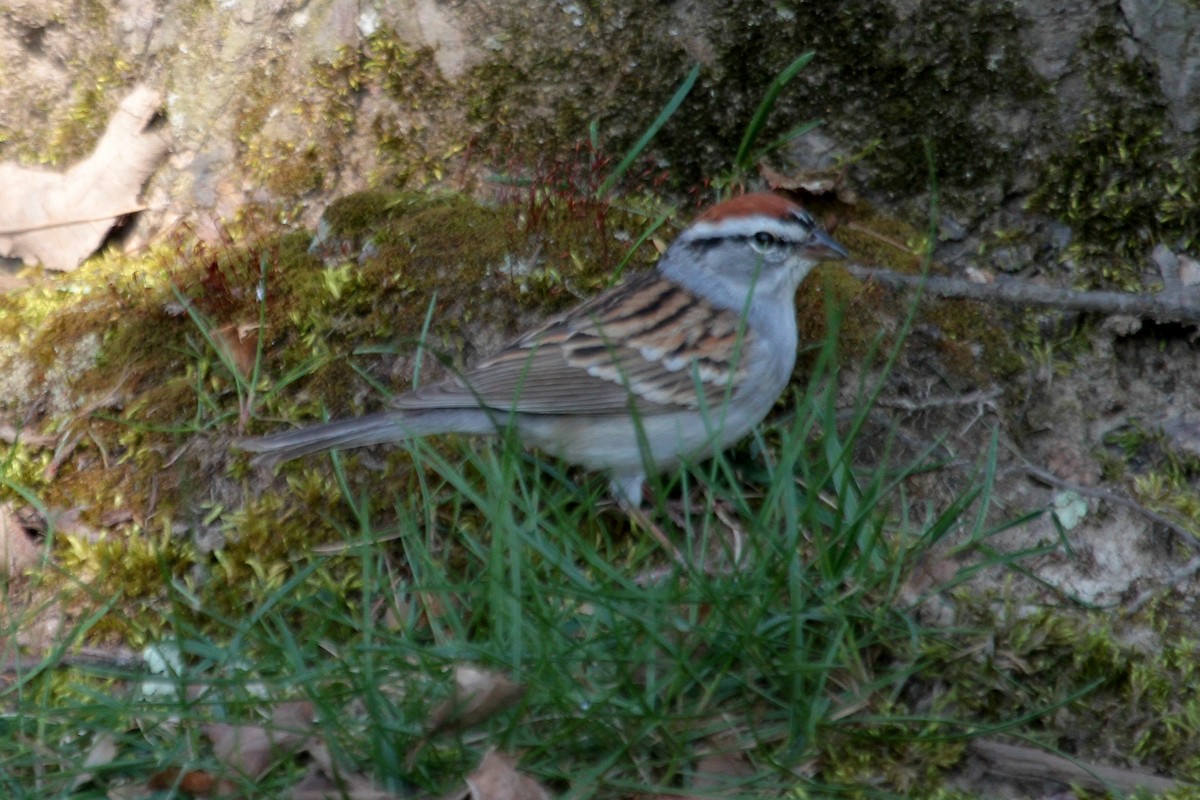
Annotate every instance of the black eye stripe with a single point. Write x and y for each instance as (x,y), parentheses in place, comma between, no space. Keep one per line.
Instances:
(761,238)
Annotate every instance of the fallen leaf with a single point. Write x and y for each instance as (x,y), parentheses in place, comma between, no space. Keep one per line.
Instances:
(59,219)
(479,695)
(239,344)
(294,716)
(318,786)
(17,552)
(194,783)
(132,791)
(930,572)
(496,778)
(323,781)
(811,183)
(12,283)
(102,752)
(251,749)
(977,275)
(721,771)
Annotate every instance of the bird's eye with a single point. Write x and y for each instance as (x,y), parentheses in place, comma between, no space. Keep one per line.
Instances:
(764,242)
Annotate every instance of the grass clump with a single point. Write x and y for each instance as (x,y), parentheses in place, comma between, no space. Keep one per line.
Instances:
(157,398)
(362,587)
(781,657)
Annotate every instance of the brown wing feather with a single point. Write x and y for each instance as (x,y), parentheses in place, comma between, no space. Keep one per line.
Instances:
(647,340)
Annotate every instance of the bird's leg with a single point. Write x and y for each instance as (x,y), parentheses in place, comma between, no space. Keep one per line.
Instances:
(628,494)
(726,544)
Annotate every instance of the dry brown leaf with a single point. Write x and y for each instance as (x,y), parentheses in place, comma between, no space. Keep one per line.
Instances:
(929,572)
(322,759)
(316,785)
(17,552)
(239,344)
(251,749)
(131,791)
(479,695)
(194,783)
(723,771)
(324,782)
(294,716)
(977,275)
(12,435)
(59,219)
(11,283)
(497,778)
(811,183)
(102,752)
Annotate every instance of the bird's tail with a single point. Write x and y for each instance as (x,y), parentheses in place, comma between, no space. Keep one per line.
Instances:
(380,428)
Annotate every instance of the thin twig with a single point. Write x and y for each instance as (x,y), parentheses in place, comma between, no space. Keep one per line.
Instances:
(1168,266)
(120,659)
(1187,572)
(65,223)
(1189,538)
(1162,306)
(1024,762)
(13,435)
(926,403)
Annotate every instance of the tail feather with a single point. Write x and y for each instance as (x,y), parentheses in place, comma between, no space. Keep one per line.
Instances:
(356,432)
(380,428)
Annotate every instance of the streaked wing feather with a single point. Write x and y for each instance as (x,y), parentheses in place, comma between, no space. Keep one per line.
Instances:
(541,380)
(649,339)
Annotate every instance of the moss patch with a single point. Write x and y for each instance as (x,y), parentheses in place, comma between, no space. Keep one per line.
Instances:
(1119,186)
(65,129)
(147,406)
(954,80)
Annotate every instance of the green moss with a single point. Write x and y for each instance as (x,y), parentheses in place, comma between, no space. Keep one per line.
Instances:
(975,342)
(1028,669)
(1166,492)
(296,150)
(160,451)
(288,168)
(252,107)
(147,406)
(409,76)
(100,75)
(296,171)
(622,75)
(357,215)
(421,248)
(930,87)
(410,151)
(971,344)
(1119,186)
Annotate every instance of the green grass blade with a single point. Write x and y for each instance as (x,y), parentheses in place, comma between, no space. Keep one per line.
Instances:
(794,133)
(667,112)
(743,160)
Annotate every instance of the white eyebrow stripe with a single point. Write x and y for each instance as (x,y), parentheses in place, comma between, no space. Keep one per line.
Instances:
(792,230)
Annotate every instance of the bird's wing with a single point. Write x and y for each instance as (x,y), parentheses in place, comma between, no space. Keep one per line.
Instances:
(648,342)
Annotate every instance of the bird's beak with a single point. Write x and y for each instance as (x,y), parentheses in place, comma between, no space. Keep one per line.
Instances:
(822,245)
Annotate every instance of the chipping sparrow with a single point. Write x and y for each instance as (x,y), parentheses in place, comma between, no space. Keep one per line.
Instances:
(674,364)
